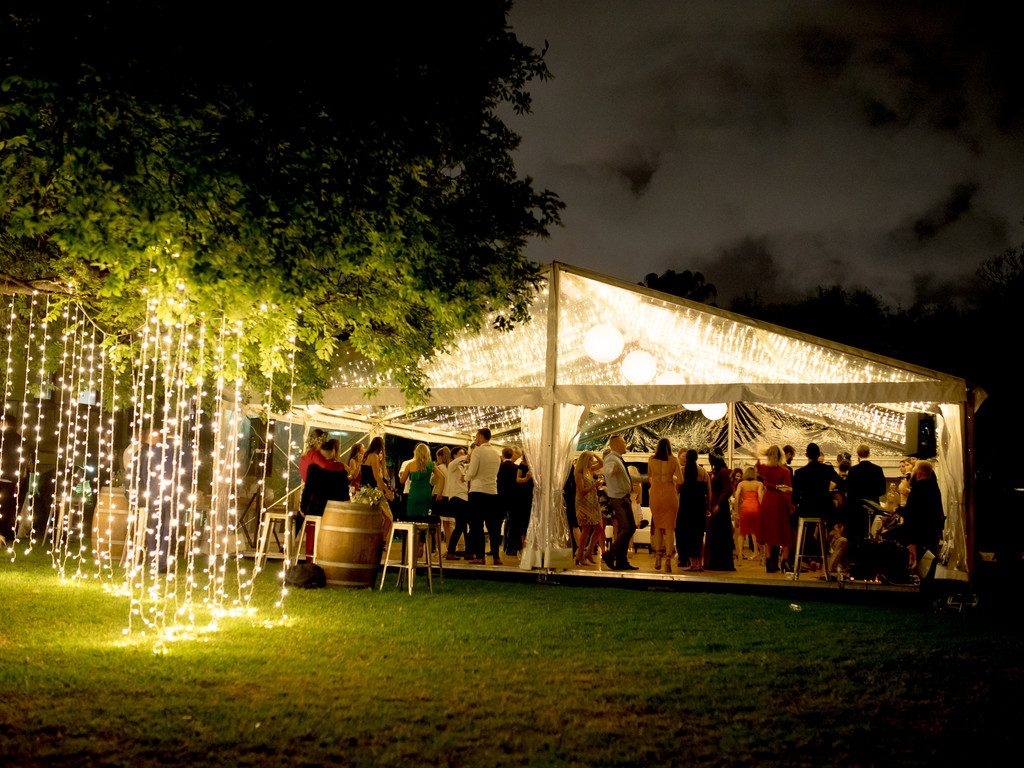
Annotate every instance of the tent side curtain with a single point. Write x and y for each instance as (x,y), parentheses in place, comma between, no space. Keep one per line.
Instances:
(549,442)
(951,477)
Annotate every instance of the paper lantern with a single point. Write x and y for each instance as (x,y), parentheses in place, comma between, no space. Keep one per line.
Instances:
(714,411)
(603,343)
(639,367)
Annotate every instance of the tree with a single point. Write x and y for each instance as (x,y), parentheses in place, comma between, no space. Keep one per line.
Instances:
(326,178)
(685,284)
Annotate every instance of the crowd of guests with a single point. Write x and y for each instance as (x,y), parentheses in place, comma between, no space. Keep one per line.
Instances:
(854,500)
(701,518)
(481,496)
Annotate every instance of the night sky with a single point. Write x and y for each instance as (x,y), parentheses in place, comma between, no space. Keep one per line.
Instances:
(777,146)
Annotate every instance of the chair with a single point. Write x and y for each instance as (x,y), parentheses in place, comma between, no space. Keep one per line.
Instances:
(801,527)
(431,533)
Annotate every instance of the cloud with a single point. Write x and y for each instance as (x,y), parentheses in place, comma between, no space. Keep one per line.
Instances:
(948,211)
(777,146)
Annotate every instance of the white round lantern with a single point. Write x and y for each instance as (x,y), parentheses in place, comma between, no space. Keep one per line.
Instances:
(639,367)
(692,406)
(603,343)
(714,411)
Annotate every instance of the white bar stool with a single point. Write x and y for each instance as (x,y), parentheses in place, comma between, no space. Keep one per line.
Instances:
(431,533)
(300,543)
(801,526)
(267,521)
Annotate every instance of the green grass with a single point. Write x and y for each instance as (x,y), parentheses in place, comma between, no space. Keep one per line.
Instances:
(486,673)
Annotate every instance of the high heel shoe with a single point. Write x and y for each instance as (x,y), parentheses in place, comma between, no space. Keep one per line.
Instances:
(657,561)
(668,565)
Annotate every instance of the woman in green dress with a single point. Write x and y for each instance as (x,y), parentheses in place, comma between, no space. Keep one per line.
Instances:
(419,472)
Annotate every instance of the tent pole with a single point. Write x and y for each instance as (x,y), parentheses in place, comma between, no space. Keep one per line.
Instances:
(731,427)
(551,428)
(550,420)
(968,458)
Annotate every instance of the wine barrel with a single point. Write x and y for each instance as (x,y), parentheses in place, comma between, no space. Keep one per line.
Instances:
(348,544)
(110,525)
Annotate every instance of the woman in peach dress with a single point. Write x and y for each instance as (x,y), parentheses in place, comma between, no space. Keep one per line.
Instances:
(749,492)
(665,478)
(588,510)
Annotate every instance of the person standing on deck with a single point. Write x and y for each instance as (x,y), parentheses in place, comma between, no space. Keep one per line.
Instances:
(482,476)
(618,487)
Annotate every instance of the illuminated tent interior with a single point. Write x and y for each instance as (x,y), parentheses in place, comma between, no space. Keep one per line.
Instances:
(600,356)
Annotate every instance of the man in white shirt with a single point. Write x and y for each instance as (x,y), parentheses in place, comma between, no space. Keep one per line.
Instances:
(618,487)
(457,493)
(482,477)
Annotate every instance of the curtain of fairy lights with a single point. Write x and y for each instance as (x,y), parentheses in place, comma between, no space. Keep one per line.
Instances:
(179,547)
(290,455)
(62,514)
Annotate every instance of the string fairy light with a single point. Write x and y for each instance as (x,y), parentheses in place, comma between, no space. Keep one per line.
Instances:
(43,345)
(8,377)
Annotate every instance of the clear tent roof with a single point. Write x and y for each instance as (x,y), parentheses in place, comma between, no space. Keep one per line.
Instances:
(634,355)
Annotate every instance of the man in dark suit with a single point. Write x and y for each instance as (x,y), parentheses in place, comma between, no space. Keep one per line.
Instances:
(812,487)
(866,482)
(812,494)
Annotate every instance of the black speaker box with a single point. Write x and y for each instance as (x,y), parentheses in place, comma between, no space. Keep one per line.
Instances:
(921,435)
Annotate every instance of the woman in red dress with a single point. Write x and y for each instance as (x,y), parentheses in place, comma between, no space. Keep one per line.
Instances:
(776,506)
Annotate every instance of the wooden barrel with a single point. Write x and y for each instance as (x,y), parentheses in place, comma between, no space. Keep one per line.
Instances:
(110,525)
(348,544)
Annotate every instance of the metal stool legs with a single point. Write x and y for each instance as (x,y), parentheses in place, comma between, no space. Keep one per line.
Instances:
(267,520)
(819,524)
(431,542)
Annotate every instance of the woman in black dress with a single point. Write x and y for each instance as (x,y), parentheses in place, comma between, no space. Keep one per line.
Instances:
(694,498)
(720,539)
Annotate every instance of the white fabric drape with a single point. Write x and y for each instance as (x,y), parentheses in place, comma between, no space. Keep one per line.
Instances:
(951,483)
(549,440)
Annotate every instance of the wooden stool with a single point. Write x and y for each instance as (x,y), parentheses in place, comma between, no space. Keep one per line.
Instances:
(267,520)
(801,525)
(431,539)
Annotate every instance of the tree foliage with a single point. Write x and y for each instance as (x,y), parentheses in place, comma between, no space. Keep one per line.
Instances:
(685,284)
(329,176)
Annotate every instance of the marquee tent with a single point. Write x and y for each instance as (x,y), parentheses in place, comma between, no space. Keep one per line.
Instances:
(599,355)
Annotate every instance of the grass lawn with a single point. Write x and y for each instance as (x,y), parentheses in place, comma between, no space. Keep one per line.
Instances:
(492,674)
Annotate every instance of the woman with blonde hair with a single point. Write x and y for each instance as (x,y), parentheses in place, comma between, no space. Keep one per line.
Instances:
(748,495)
(420,472)
(588,511)
(439,505)
(314,440)
(776,506)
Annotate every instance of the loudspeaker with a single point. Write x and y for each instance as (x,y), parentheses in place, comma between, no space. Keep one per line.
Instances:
(921,435)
